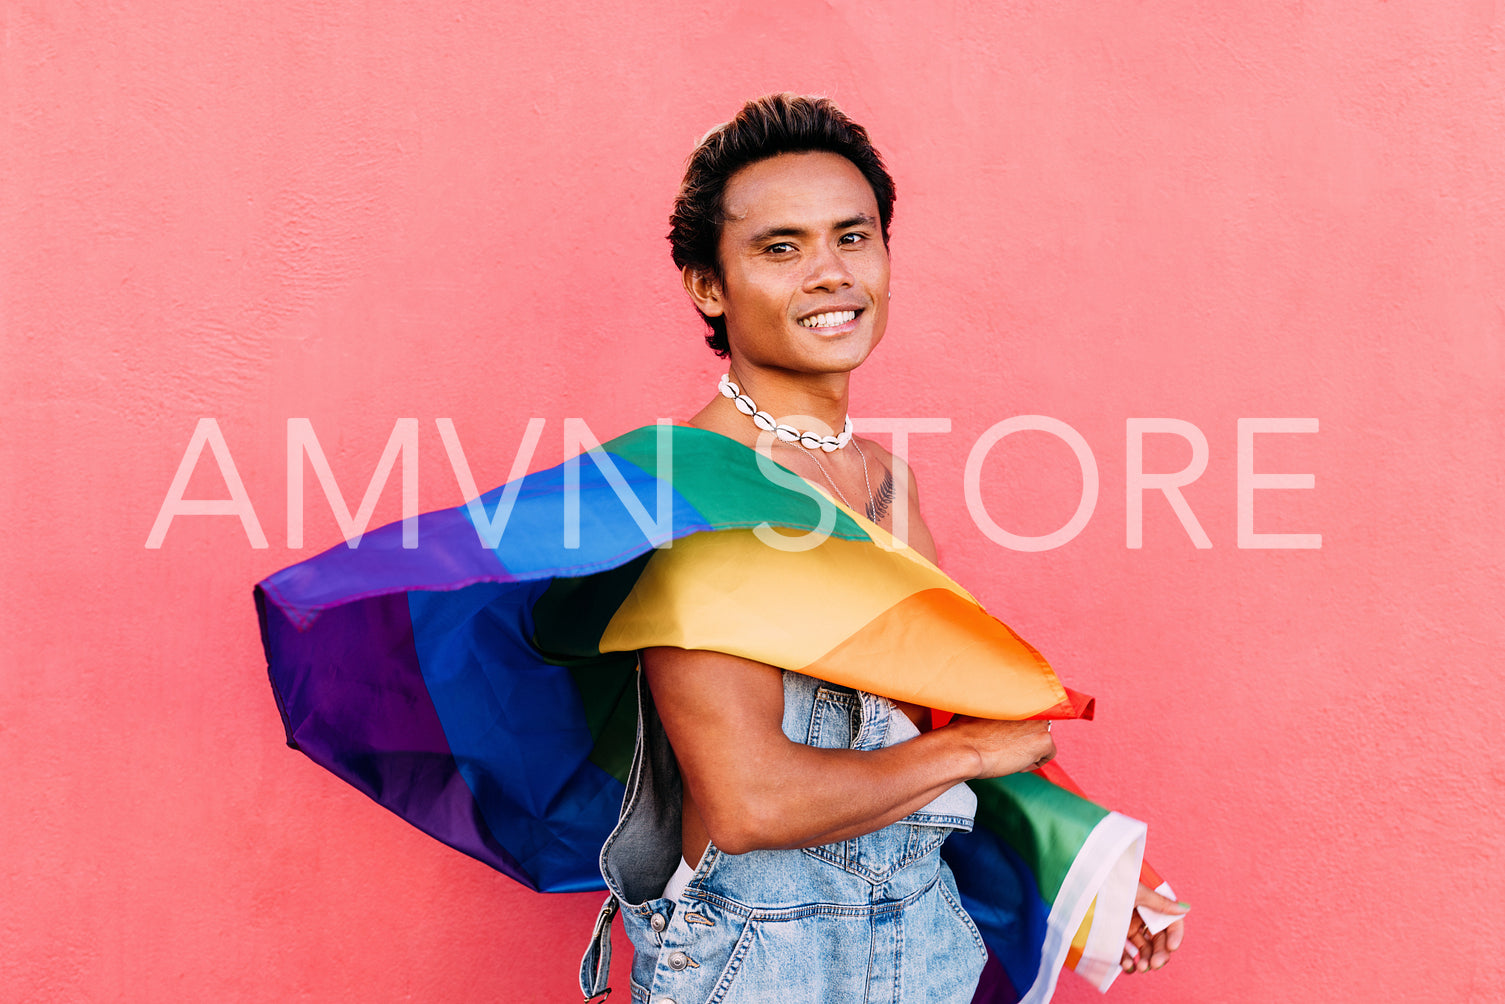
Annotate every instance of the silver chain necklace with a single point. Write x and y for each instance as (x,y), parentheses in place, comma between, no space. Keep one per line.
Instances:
(875,509)
(840,494)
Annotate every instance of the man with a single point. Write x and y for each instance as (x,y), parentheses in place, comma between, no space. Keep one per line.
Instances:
(767,833)
(809,817)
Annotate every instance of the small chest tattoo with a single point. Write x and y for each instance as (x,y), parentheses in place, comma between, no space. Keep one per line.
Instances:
(878,506)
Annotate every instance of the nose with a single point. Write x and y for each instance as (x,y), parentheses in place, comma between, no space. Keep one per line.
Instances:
(828,270)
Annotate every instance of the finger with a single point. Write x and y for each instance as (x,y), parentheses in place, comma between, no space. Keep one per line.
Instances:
(1161,904)
(1134,948)
(1046,747)
(1139,937)
(1159,954)
(1174,934)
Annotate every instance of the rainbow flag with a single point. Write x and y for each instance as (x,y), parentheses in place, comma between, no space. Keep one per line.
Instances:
(481,684)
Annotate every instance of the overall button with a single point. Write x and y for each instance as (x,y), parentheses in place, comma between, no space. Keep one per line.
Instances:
(663,1000)
(658,922)
(678,960)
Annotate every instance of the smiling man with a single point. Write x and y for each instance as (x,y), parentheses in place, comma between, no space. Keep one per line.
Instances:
(778,834)
(781,836)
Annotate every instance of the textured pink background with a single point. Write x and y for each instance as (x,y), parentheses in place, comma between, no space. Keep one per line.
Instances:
(360,212)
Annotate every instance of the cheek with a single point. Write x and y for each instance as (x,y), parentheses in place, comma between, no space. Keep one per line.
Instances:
(773,300)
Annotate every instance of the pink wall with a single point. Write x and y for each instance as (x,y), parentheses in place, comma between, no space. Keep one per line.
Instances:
(361,212)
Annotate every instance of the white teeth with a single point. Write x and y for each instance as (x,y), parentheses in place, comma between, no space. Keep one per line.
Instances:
(830,319)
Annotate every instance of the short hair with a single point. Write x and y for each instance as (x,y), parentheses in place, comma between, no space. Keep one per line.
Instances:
(764,128)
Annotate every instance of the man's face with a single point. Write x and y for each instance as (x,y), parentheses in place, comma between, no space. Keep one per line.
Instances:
(804,269)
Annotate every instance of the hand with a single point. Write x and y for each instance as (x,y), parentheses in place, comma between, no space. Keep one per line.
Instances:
(1142,952)
(1005,747)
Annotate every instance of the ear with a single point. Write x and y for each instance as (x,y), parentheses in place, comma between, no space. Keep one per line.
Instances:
(704,290)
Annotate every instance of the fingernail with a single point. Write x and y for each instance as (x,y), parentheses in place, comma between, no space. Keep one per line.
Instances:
(1184,906)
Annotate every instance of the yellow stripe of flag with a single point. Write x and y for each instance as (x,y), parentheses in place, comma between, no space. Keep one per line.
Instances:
(898,626)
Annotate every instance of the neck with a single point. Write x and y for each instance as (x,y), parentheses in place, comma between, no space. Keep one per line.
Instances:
(795,398)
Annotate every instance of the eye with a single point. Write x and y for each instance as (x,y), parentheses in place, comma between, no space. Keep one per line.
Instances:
(855,238)
(780,248)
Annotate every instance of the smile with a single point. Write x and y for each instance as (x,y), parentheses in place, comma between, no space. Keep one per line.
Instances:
(830,319)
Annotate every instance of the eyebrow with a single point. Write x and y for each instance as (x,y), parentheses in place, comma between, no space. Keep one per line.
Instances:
(785,230)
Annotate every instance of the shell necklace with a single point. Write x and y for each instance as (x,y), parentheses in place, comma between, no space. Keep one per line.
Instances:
(875,509)
(785,433)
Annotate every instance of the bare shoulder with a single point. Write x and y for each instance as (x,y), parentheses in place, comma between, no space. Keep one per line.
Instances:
(917,534)
(902,472)
(893,462)
(704,683)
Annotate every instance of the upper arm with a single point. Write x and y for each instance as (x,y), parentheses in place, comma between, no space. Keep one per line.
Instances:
(748,786)
(917,533)
(724,718)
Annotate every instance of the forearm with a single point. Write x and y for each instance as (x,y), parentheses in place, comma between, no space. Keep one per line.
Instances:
(804,796)
(749,786)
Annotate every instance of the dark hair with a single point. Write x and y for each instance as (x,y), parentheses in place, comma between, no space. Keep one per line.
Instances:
(766,127)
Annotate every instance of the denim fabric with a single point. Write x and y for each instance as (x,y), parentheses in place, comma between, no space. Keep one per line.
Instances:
(873,919)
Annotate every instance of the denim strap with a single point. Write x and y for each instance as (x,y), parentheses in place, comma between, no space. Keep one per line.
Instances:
(595,968)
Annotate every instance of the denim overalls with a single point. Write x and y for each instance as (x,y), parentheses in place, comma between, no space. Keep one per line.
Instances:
(872,919)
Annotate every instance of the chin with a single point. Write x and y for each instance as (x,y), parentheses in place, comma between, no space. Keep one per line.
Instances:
(844,362)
